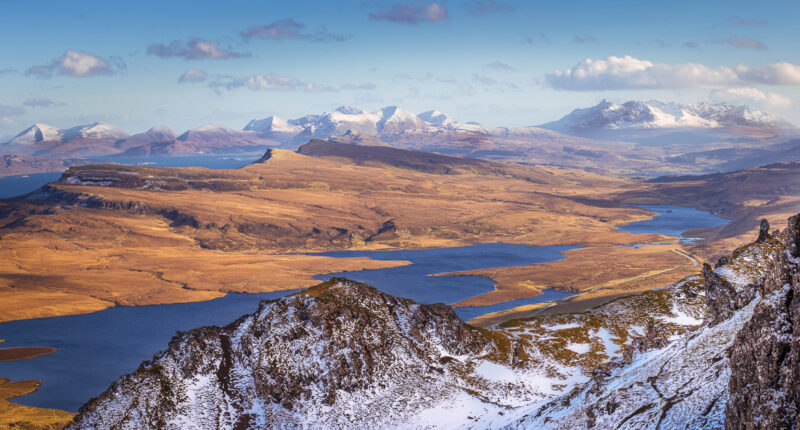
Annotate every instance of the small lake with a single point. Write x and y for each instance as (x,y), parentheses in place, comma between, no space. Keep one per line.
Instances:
(12,186)
(673,221)
(413,282)
(95,349)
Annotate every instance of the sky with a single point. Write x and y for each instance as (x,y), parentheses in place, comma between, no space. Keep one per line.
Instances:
(500,63)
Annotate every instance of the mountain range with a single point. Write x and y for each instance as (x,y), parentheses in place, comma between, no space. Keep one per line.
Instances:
(630,137)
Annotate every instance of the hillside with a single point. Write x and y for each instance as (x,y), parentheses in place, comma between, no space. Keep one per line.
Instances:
(698,353)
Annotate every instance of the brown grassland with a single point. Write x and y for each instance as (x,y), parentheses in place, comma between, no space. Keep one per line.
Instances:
(190,234)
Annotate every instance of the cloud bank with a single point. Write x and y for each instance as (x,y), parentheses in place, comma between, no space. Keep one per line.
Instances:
(625,73)
(746,94)
(268,82)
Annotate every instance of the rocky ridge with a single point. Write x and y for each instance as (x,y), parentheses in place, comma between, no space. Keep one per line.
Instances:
(713,351)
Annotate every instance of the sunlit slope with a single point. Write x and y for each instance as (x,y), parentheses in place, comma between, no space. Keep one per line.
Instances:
(122,235)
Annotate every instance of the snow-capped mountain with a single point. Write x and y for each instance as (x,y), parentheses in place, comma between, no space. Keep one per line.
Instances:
(437,118)
(613,119)
(44,140)
(387,121)
(156,135)
(98,130)
(36,133)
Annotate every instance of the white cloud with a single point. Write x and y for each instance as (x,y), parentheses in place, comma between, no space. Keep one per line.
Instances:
(192,76)
(624,73)
(77,64)
(748,94)
(268,82)
(288,28)
(772,74)
(193,49)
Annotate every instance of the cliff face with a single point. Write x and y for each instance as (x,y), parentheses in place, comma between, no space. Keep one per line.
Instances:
(765,356)
(711,352)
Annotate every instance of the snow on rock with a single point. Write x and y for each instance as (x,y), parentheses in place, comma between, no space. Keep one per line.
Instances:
(579,348)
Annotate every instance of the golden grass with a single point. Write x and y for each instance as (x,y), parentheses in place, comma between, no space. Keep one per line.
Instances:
(16,416)
(24,353)
(610,269)
(60,259)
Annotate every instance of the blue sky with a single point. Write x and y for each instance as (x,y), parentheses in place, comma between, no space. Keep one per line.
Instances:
(495,62)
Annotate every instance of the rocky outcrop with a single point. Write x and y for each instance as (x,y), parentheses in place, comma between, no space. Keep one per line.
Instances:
(765,357)
(287,363)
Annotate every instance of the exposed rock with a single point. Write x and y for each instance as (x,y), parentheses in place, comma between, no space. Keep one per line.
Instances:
(763,232)
(296,354)
(765,357)
(721,297)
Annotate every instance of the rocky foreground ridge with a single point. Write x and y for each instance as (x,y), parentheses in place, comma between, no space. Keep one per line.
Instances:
(714,351)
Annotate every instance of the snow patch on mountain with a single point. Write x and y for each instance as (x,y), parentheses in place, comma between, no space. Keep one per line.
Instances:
(98,130)
(36,133)
(658,115)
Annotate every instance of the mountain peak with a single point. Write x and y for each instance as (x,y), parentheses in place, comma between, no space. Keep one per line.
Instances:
(162,130)
(38,132)
(436,118)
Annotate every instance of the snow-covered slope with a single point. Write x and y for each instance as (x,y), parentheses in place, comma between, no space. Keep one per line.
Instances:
(36,133)
(387,121)
(435,117)
(98,130)
(652,115)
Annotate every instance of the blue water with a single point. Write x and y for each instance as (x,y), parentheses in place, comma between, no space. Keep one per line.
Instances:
(413,282)
(12,186)
(96,349)
(548,295)
(208,161)
(674,220)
